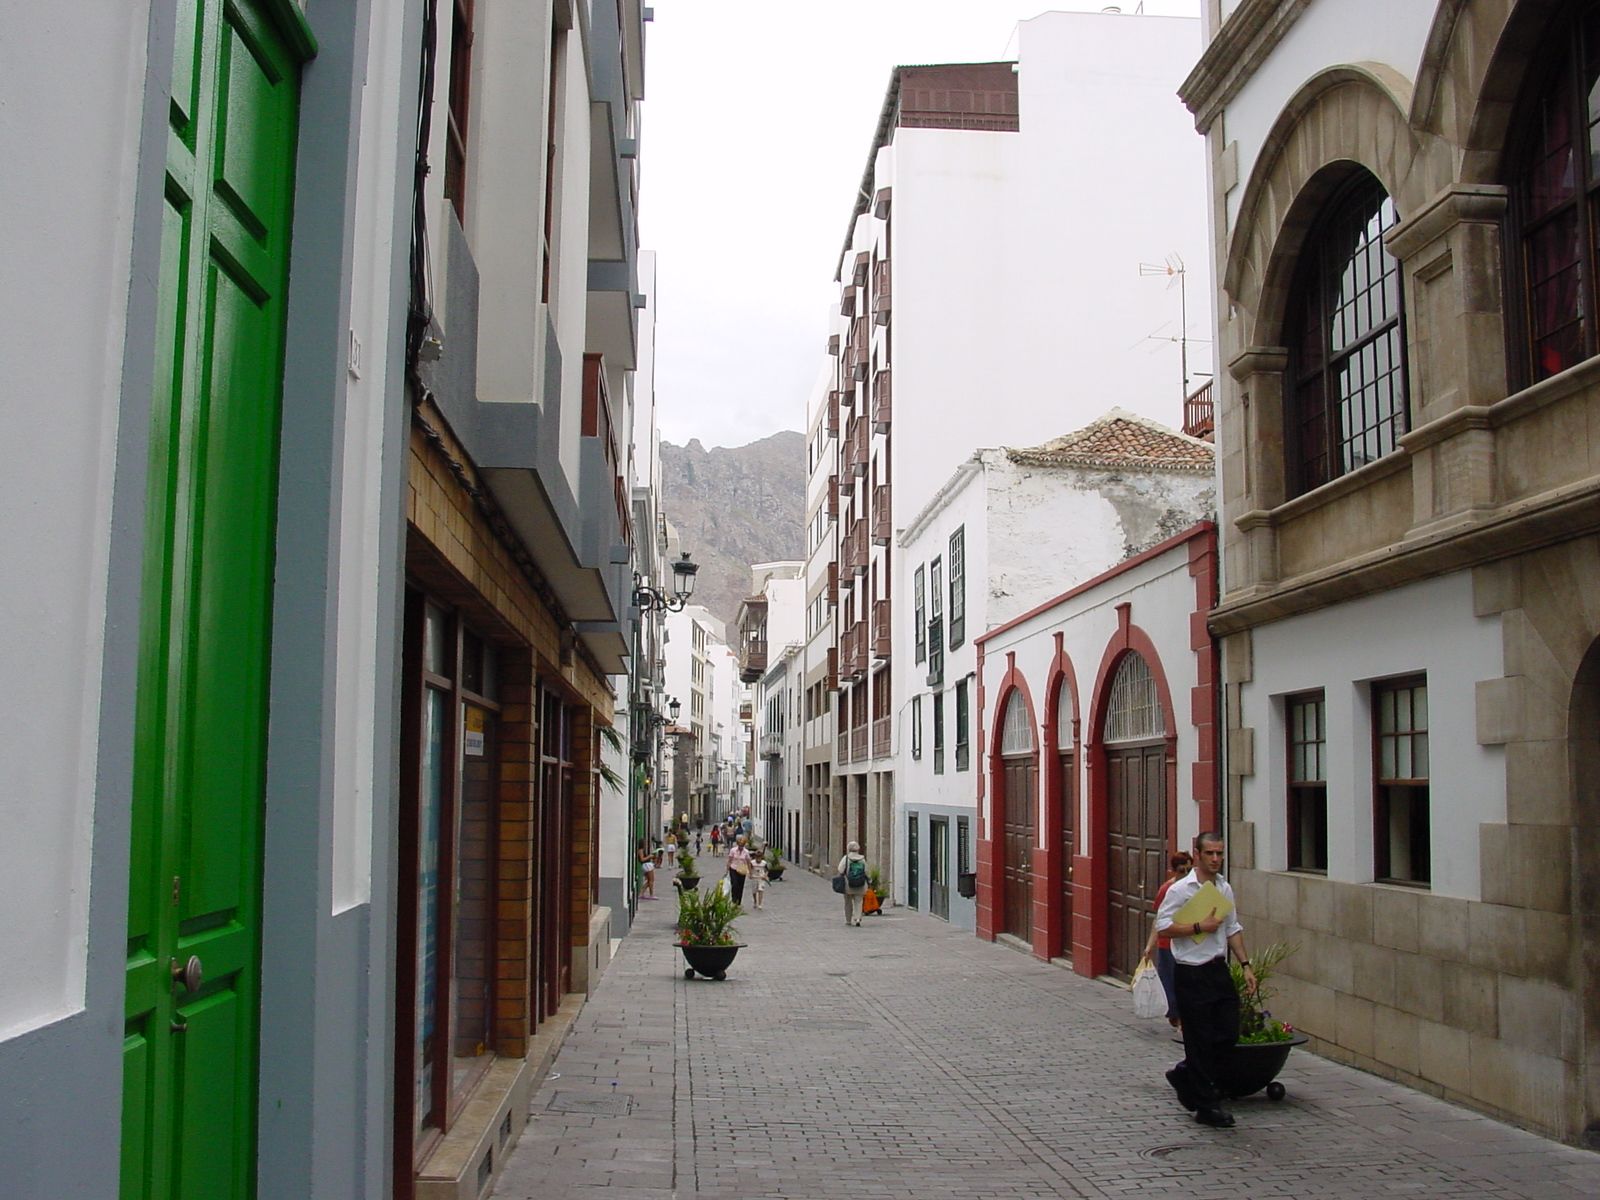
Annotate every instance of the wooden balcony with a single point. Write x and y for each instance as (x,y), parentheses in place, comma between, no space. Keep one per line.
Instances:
(882,402)
(1199,419)
(882,737)
(882,642)
(882,293)
(858,744)
(882,516)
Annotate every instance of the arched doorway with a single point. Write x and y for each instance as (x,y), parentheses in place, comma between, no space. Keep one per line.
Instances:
(1134,735)
(1067,796)
(1019,790)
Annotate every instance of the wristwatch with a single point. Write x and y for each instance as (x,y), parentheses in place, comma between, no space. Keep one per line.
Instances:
(1244,962)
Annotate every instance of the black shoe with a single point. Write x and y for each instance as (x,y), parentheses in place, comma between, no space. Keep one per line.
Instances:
(1178,1077)
(1214,1117)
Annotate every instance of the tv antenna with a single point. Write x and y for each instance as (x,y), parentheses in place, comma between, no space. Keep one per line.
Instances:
(1177,276)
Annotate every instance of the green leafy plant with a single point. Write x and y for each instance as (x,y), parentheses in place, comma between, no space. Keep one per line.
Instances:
(706,919)
(686,867)
(774,859)
(1256,1024)
(877,882)
(608,773)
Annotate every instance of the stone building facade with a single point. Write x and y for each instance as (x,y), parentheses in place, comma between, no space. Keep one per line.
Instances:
(1411,602)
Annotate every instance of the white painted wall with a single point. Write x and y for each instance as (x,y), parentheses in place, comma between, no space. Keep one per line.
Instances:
(1425,627)
(1016,255)
(71,89)
(1329,32)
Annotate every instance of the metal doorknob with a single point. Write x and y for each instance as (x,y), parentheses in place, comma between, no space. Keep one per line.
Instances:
(188,974)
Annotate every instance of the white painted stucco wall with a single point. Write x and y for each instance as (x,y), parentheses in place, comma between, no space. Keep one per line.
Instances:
(1426,627)
(71,90)
(1017,286)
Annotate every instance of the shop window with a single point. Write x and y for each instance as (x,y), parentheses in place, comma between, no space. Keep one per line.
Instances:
(1346,390)
(1400,810)
(1307,807)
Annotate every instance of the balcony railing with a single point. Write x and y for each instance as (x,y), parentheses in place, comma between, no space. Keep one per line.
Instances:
(882,401)
(772,745)
(1198,413)
(833,669)
(883,293)
(858,744)
(882,736)
(880,628)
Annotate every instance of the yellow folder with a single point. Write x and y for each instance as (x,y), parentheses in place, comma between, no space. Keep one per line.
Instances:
(1206,900)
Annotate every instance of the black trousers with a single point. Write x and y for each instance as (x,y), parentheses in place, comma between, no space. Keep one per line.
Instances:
(736,886)
(1208,1006)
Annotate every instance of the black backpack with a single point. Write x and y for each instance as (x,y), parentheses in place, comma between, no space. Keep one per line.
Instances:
(855,872)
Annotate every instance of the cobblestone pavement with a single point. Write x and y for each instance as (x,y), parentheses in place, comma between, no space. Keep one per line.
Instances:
(908,1059)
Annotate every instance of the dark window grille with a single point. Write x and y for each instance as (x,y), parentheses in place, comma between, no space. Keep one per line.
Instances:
(1400,754)
(1308,787)
(1553,174)
(1348,367)
(916,727)
(963,748)
(938,733)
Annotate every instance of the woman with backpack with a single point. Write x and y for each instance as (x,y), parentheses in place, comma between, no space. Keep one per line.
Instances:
(853,869)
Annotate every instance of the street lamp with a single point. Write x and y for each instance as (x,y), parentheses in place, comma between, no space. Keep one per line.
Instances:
(675,708)
(651,599)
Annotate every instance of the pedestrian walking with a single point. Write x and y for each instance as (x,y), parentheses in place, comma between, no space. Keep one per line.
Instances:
(716,841)
(1159,948)
(738,868)
(699,841)
(1207,1001)
(758,877)
(853,867)
(647,860)
(672,849)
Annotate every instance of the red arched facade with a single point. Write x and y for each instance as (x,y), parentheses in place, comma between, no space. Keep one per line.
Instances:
(1053,867)
(1089,874)
(991,863)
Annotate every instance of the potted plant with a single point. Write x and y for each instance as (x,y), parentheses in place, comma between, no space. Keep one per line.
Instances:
(1264,1041)
(878,889)
(688,874)
(774,864)
(705,932)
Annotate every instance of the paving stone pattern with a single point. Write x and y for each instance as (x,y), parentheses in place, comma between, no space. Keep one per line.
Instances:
(905,1059)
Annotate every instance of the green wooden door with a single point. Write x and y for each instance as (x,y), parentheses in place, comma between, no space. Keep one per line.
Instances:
(190,1048)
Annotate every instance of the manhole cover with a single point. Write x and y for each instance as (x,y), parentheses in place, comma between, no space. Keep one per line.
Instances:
(1197,1154)
(824,1024)
(600,1106)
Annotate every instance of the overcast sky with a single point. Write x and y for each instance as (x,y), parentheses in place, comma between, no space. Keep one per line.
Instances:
(757,122)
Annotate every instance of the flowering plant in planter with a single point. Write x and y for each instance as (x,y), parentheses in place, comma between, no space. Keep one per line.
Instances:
(706,919)
(1256,1024)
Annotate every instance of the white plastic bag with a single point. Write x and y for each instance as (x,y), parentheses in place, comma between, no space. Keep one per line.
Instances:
(1149,997)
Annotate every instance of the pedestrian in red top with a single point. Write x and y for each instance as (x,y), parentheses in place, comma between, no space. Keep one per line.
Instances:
(1179,865)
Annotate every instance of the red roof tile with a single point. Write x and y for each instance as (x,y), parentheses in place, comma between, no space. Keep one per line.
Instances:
(1120,439)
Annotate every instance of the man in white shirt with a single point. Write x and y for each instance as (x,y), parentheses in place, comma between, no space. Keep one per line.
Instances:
(1207,1002)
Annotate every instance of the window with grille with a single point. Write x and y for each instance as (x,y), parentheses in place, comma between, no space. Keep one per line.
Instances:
(1307,786)
(1016,730)
(963,749)
(1554,182)
(1348,371)
(1400,808)
(938,732)
(1134,712)
(936,623)
(963,845)
(958,587)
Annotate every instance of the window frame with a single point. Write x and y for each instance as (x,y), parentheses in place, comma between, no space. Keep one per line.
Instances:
(1305,798)
(963,722)
(938,732)
(916,727)
(919,593)
(1417,787)
(1310,306)
(956,569)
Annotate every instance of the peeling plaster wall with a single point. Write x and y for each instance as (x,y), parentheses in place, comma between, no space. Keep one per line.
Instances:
(1052,528)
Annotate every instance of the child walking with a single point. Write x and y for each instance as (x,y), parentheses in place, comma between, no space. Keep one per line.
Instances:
(758,876)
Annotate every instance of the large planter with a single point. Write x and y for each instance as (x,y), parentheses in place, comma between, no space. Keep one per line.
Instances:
(775,874)
(711,961)
(688,882)
(1250,1067)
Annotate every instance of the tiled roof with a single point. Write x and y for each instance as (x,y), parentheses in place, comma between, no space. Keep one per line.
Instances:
(1120,439)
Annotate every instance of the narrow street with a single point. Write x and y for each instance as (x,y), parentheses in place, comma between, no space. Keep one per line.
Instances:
(909,1059)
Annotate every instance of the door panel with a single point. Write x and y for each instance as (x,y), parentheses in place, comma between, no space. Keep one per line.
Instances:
(1069,846)
(939,868)
(1020,777)
(1136,844)
(189,1049)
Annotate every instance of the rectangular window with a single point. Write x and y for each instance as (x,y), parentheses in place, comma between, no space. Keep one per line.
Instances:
(456,110)
(1400,800)
(916,727)
(1308,783)
(938,733)
(963,846)
(958,587)
(936,624)
(963,753)
(919,602)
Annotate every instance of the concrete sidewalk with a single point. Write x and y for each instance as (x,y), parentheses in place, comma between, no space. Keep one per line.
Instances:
(908,1060)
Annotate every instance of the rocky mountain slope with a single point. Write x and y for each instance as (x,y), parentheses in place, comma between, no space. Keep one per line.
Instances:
(733,507)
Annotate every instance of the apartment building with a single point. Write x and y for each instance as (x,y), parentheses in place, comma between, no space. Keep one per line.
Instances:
(1409,593)
(984,278)
(771,637)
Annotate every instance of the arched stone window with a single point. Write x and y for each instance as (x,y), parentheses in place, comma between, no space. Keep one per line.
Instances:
(1346,390)
(1554,181)
(1134,712)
